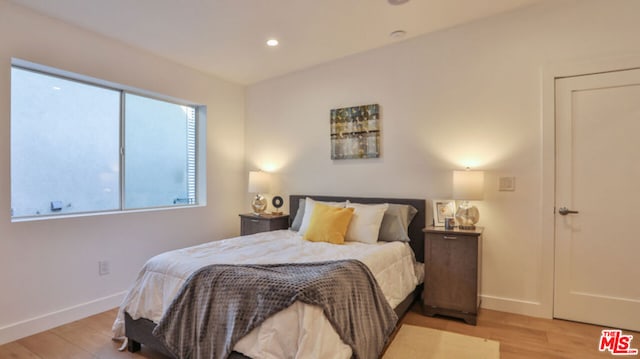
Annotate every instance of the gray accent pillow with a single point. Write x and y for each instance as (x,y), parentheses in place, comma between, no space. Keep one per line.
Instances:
(395,223)
(297,220)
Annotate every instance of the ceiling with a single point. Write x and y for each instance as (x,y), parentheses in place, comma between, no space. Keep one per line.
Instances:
(226,38)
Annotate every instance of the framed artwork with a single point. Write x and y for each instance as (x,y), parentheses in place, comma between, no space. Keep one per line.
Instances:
(443,208)
(355,132)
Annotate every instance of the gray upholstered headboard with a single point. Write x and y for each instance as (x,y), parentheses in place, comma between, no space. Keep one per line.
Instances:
(415,227)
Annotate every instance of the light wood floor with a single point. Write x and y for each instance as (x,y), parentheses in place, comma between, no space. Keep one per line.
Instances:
(519,337)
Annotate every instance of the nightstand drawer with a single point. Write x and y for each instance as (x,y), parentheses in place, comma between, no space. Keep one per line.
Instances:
(251,226)
(250,223)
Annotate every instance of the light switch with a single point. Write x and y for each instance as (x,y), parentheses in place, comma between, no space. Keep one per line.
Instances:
(506,183)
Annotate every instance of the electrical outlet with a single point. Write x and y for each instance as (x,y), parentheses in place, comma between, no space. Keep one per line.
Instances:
(103,268)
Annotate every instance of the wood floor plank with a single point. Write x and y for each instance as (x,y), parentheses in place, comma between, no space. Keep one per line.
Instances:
(15,350)
(49,345)
(84,335)
(103,321)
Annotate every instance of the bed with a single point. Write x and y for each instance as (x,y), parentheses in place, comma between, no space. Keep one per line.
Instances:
(139,325)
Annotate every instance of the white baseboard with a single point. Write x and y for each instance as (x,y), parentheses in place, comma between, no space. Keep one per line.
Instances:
(517,306)
(47,321)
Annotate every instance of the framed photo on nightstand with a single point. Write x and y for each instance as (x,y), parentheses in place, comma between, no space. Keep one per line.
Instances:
(443,208)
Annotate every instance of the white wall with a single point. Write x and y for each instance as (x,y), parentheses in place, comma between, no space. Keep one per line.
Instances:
(469,95)
(49,269)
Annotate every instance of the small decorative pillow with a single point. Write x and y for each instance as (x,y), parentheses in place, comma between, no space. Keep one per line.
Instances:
(308,209)
(366,221)
(328,224)
(395,223)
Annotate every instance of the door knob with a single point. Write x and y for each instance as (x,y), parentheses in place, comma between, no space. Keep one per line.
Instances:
(564,211)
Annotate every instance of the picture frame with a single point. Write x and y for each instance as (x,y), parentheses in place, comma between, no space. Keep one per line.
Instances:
(355,132)
(443,208)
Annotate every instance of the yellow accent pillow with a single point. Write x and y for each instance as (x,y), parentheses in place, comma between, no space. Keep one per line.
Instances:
(328,224)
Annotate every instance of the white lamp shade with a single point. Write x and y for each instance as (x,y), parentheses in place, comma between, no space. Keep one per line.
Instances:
(468,185)
(258,182)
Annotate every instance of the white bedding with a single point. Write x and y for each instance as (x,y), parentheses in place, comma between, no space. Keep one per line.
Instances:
(300,331)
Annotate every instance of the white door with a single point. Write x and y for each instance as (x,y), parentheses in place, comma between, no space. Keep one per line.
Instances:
(597,250)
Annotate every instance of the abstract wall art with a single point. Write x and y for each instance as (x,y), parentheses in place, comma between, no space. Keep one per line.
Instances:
(355,132)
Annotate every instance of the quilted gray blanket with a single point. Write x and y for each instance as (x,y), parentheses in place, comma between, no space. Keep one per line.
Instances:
(219,304)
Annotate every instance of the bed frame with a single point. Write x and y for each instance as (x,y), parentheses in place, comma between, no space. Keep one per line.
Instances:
(139,331)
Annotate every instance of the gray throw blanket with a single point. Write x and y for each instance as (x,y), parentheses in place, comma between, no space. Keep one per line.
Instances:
(219,304)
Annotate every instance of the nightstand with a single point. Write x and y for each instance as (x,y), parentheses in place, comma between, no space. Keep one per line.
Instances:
(453,261)
(251,223)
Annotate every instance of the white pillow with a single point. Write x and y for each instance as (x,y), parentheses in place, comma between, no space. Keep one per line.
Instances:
(365,223)
(308,208)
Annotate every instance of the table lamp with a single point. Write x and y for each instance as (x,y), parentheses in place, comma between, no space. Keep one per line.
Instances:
(258,184)
(468,186)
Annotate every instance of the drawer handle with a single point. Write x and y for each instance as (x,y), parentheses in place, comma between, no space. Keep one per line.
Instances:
(449,237)
(255,221)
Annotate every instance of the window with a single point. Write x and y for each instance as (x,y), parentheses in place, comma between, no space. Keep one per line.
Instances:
(159,153)
(83,147)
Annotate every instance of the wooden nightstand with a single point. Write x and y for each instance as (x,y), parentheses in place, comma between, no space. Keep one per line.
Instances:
(251,223)
(453,261)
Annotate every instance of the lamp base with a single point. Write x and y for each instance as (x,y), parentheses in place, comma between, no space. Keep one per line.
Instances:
(467,216)
(259,204)
(467,228)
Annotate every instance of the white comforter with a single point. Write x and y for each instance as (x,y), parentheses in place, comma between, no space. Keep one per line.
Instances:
(300,331)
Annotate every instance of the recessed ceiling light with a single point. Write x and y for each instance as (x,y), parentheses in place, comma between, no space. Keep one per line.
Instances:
(398,34)
(272,42)
(397,2)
